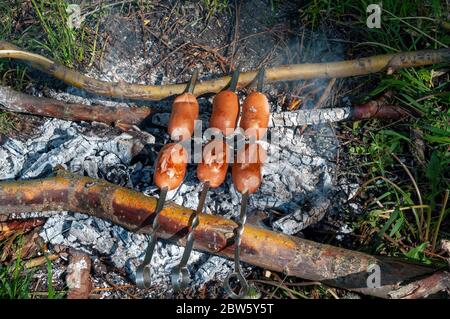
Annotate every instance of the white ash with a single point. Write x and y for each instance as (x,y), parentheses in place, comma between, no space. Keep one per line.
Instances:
(309,117)
(343,230)
(298,173)
(63,143)
(75,281)
(303,172)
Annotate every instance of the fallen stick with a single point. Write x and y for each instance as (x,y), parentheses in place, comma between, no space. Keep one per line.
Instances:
(267,249)
(17,102)
(78,277)
(39,261)
(362,66)
(21,226)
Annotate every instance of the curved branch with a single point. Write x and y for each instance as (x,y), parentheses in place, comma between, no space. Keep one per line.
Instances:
(288,72)
(267,249)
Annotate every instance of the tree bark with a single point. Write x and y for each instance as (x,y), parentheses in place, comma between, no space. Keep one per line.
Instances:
(17,102)
(267,249)
(288,72)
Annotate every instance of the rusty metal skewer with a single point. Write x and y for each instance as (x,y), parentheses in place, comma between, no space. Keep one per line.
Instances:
(143,272)
(234,80)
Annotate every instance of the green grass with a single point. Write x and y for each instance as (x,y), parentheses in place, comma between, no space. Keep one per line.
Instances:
(408,176)
(215,7)
(15,280)
(64,44)
(7,122)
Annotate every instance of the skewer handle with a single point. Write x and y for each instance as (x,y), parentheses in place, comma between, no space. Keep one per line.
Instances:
(143,271)
(241,281)
(180,274)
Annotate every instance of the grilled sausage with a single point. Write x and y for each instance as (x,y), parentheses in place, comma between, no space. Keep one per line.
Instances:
(246,172)
(255,115)
(213,168)
(225,112)
(170,166)
(183,116)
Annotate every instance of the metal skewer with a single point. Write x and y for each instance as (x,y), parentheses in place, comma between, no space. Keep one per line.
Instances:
(245,291)
(260,79)
(234,80)
(241,281)
(143,271)
(191,85)
(180,274)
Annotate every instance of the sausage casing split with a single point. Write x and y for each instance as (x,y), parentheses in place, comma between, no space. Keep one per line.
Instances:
(182,118)
(170,166)
(246,172)
(214,166)
(225,112)
(255,115)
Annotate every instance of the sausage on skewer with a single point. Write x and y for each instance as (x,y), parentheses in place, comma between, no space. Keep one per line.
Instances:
(184,113)
(211,172)
(225,109)
(170,169)
(255,112)
(246,175)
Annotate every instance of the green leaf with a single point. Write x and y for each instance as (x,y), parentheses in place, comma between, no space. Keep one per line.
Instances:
(389,222)
(434,170)
(418,254)
(397,226)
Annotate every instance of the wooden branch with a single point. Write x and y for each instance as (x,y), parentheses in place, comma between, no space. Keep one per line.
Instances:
(378,109)
(39,261)
(267,249)
(78,277)
(439,281)
(17,102)
(289,72)
(20,226)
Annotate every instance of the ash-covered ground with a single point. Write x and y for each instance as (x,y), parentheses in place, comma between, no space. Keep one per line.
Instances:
(299,184)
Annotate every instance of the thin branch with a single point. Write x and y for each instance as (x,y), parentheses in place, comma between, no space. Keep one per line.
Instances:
(288,72)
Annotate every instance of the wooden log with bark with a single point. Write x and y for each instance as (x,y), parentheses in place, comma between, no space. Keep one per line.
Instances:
(260,247)
(18,226)
(362,66)
(17,102)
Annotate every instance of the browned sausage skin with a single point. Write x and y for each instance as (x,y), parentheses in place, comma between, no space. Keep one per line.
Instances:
(246,171)
(214,166)
(255,115)
(182,119)
(170,166)
(225,112)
